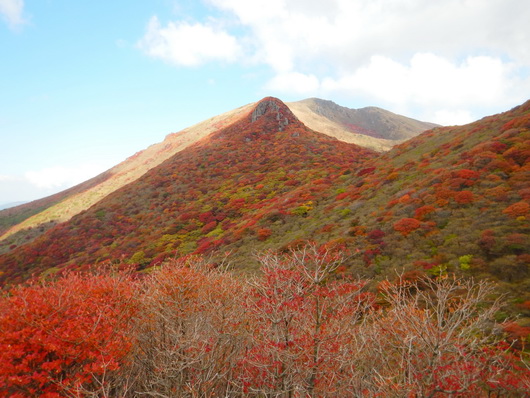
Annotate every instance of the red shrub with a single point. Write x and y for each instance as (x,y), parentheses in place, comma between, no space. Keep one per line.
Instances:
(264,233)
(517,209)
(406,225)
(421,212)
(464,197)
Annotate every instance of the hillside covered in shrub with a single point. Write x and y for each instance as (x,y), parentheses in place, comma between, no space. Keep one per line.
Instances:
(452,200)
(268,259)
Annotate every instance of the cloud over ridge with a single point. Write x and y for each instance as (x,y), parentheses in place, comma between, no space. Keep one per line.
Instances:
(450,55)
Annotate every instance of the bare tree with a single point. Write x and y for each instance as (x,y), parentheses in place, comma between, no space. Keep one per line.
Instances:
(187,339)
(432,340)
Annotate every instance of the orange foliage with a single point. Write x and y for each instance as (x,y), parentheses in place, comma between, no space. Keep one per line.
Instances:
(517,209)
(421,212)
(406,225)
(64,336)
(464,197)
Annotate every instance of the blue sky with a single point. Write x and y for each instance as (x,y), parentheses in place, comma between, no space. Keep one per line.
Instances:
(83,85)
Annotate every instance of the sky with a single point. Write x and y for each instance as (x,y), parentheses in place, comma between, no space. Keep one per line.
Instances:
(86,84)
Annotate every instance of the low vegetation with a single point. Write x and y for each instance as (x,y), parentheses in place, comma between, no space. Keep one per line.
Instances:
(303,327)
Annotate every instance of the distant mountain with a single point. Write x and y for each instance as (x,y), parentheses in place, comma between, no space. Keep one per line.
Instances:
(22,224)
(370,127)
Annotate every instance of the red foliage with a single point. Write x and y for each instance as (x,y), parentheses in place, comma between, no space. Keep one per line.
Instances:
(328,228)
(497,147)
(209,227)
(206,217)
(342,195)
(404,199)
(299,313)
(464,197)
(366,171)
(64,335)
(518,154)
(303,325)
(421,212)
(264,233)
(499,193)
(525,193)
(487,239)
(517,209)
(425,264)
(392,203)
(204,245)
(159,259)
(521,121)
(466,174)
(410,277)
(406,225)
(517,335)
(444,193)
(376,235)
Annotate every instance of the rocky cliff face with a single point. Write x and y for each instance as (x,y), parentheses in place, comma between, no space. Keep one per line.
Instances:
(275,109)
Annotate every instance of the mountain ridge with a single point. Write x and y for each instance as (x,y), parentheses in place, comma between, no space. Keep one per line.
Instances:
(215,169)
(371,127)
(48,211)
(22,224)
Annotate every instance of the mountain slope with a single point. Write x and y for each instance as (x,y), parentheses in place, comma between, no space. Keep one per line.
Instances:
(453,199)
(28,221)
(22,224)
(369,127)
(217,192)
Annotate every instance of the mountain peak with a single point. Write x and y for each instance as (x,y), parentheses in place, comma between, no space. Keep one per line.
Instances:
(273,110)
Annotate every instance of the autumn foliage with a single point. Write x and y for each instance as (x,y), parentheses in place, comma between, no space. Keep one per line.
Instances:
(302,328)
(437,210)
(406,225)
(65,337)
(518,209)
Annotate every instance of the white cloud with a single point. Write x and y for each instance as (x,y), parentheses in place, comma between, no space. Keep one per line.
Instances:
(348,32)
(428,79)
(11,11)
(188,44)
(4,178)
(457,57)
(453,117)
(62,177)
(294,82)
(37,184)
